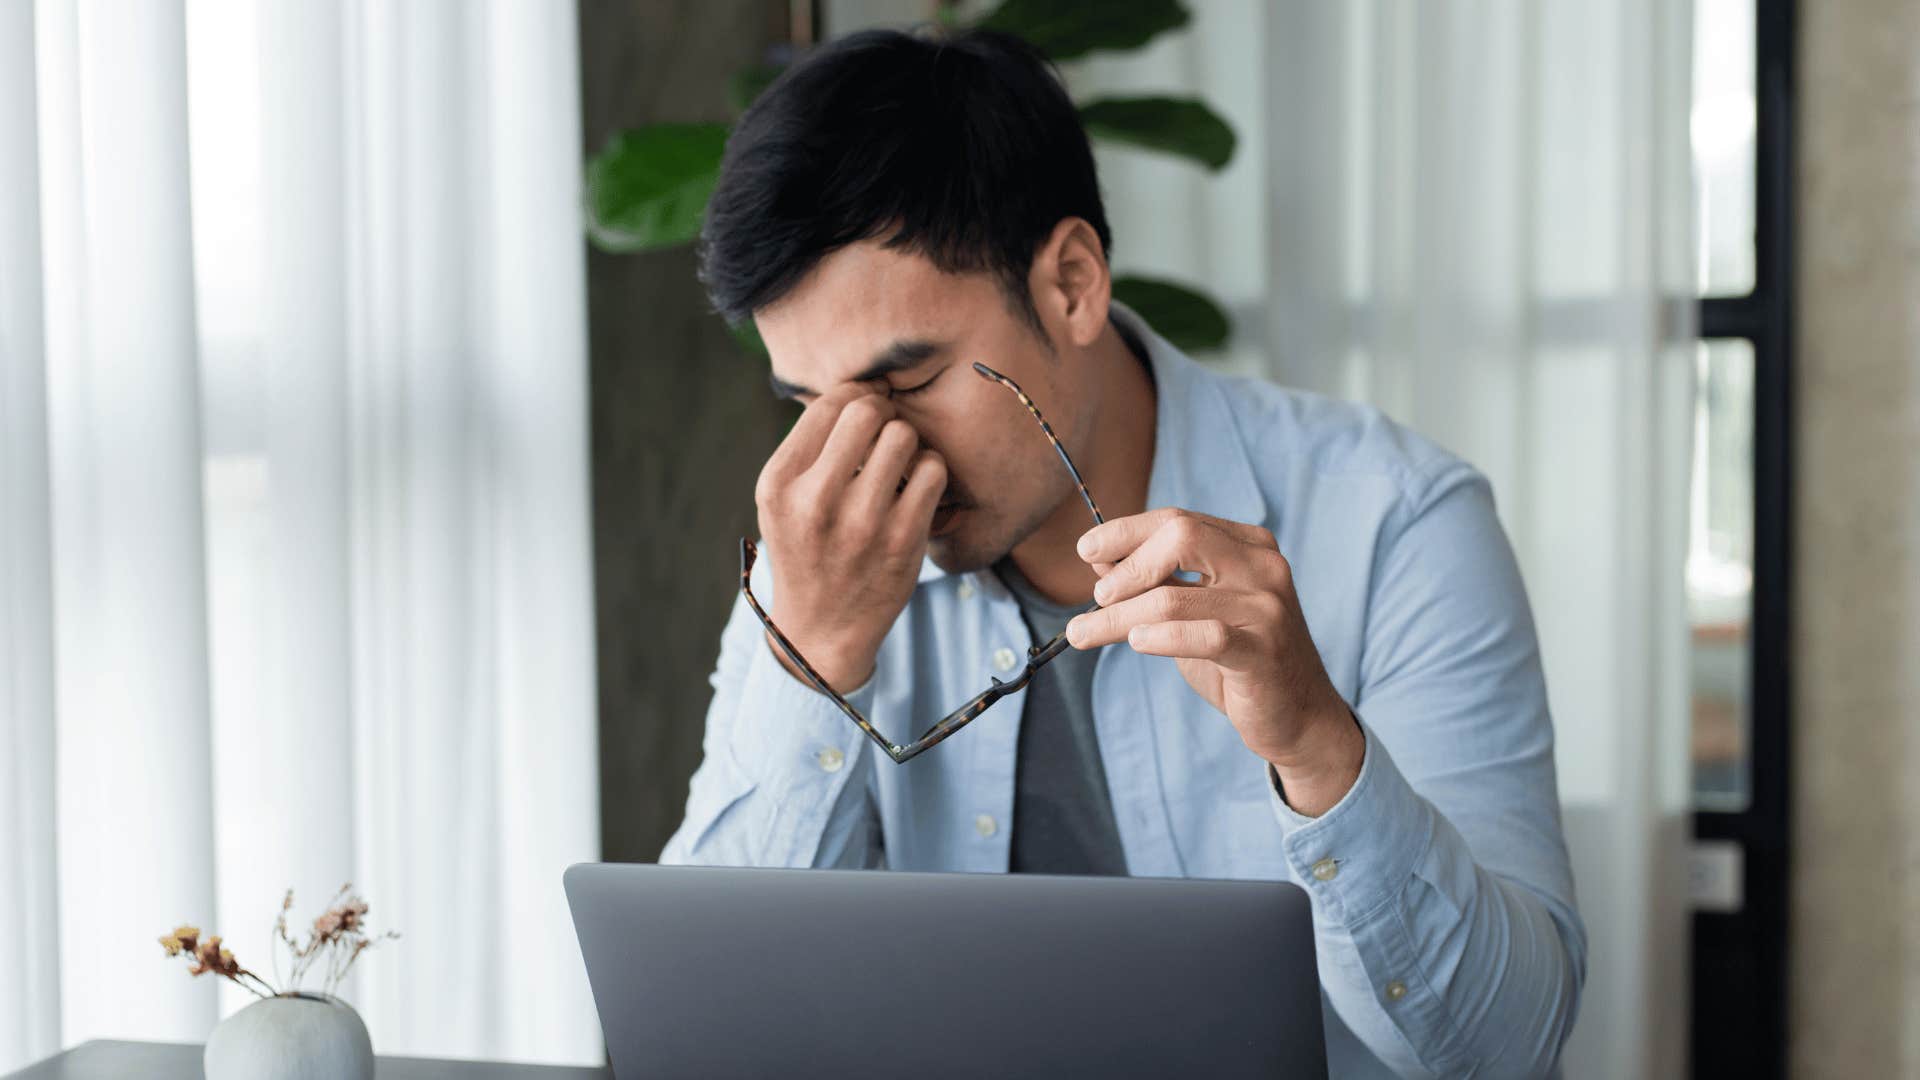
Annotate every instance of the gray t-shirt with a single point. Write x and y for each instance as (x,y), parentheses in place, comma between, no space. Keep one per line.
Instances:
(1062,812)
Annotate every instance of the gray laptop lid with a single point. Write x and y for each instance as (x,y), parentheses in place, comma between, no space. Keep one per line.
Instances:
(712,972)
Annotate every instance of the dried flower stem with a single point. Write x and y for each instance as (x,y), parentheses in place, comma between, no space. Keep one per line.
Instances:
(262,990)
(338,937)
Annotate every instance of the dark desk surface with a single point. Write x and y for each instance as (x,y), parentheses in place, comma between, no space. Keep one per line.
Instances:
(103,1060)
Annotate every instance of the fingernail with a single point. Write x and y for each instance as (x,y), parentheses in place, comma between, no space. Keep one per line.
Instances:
(1101,590)
(1085,546)
(1073,631)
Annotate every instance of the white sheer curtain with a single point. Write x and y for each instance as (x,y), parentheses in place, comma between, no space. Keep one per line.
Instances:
(29,1021)
(1492,243)
(1476,215)
(295,586)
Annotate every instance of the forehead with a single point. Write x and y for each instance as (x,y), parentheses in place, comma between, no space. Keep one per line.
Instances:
(862,299)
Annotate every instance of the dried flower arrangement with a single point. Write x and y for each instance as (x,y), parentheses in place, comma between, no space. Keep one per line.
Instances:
(338,937)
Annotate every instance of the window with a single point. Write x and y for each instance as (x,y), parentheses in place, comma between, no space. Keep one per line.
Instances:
(1720,532)
(1720,571)
(1723,128)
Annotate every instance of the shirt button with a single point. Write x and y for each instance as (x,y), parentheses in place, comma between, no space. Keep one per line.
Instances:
(831,759)
(1004,659)
(1396,990)
(1326,869)
(966,589)
(986,825)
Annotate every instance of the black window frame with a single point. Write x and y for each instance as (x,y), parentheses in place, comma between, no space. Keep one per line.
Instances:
(1739,985)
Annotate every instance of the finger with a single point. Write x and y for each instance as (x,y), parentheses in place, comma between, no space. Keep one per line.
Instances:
(809,434)
(1107,625)
(1245,532)
(911,518)
(851,439)
(1182,542)
(883,473)
(1114,540)
(1186,639)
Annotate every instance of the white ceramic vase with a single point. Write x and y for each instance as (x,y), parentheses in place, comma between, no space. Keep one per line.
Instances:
(291,1037)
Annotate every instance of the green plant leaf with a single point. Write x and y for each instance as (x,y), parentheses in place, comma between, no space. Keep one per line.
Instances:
(1180,126)
(1066,29)
(647,188)
(1186,318)
(746,84)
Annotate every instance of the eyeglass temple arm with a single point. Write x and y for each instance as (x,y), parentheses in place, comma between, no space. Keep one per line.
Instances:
(1079,483)
(747,555)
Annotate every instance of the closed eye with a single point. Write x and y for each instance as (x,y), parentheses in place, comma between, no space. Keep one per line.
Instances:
(903,391)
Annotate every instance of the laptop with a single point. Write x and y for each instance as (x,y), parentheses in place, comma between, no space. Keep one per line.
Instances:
(724,972)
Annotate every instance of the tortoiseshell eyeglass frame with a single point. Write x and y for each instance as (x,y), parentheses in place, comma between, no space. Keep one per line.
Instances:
(1037,656)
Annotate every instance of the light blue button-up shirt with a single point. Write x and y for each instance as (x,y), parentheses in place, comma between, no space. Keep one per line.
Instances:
(1448,940)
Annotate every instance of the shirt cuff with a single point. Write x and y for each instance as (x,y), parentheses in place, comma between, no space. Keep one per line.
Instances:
(1359,855)
(787,734)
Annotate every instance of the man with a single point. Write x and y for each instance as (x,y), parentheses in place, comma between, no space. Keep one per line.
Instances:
(1312,658)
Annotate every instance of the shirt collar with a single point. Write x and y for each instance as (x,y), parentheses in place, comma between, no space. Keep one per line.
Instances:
(1199,458)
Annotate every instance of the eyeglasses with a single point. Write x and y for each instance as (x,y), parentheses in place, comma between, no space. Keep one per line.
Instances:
(1037,656)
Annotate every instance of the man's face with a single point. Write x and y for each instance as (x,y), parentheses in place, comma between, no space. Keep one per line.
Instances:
(870,313)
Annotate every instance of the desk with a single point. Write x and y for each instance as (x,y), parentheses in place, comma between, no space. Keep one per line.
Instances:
(108,1060)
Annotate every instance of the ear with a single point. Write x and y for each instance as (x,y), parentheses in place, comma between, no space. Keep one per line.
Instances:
(1071,284)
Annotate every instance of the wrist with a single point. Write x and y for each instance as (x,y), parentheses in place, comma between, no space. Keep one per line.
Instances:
(1325,766)
(844,670)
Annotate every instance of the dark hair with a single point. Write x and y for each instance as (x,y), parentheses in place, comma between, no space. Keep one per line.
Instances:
(963,148)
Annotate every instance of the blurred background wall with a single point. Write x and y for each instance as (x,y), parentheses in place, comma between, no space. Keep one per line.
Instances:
(1855,982)
(682,421)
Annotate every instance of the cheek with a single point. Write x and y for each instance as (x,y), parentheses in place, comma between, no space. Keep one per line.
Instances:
(1010,470)
(959,428)
(996,454)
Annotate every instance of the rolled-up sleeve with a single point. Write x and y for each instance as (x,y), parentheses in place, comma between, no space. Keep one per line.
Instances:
(784,777)
(1442,893)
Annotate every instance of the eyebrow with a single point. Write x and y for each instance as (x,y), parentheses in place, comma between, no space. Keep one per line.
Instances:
(898,356)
